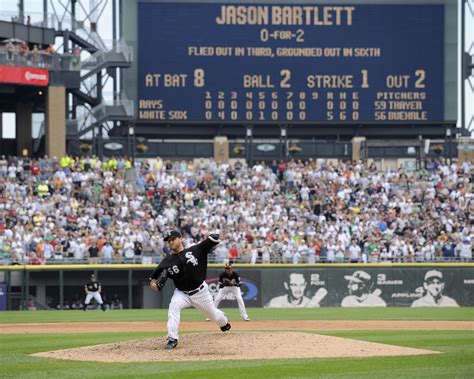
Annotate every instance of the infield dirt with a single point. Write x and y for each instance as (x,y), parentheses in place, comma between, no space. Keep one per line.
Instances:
(235,346)
(200,341)
(188,326)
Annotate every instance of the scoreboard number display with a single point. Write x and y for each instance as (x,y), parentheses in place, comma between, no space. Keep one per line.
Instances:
(205,62)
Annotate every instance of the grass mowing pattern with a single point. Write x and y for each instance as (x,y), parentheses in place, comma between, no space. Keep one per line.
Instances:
(457,360)
(453,314)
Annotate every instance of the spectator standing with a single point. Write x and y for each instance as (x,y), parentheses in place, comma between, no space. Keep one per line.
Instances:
(354,252)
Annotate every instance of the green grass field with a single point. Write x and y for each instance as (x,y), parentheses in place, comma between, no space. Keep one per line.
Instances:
(456,360)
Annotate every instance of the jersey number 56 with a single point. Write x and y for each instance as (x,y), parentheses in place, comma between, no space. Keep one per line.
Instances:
(173,270)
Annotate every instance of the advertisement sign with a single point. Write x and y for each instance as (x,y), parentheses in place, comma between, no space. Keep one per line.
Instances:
(466,278)
(24,75)
(368,287)
(407,288)
(345,286)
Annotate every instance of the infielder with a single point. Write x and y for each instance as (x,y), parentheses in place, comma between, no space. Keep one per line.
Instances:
(93,290)
(187,267)
(229,282)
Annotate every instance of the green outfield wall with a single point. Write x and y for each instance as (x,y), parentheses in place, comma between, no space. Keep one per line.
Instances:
(321,285)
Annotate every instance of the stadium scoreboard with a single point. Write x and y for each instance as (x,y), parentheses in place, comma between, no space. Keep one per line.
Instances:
(207,62)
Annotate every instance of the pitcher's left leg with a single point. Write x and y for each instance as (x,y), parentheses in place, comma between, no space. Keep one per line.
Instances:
(203,301)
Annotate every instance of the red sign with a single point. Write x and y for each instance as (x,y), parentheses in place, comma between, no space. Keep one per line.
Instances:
(24,75)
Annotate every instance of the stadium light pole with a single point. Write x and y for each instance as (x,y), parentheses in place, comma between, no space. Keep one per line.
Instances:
(248,145)
(131,143)
(21,11)
(283,143)
(45,14)
(448,137)
(467,64)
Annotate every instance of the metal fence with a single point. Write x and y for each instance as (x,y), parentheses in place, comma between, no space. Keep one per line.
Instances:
(154,259)
(40,59)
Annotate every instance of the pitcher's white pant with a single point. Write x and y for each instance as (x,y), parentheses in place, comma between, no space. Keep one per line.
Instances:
(238,296)
(201,301)
(95,295)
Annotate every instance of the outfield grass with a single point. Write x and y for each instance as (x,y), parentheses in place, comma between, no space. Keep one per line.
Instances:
(454,314)
(456,360)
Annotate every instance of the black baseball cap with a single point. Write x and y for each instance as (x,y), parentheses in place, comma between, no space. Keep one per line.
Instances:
(172,234)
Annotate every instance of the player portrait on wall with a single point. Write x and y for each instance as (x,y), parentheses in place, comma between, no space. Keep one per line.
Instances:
(296,295)
(434,286)
(361,292)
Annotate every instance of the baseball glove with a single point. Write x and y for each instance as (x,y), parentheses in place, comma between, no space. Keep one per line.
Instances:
(214,236)
(157,284)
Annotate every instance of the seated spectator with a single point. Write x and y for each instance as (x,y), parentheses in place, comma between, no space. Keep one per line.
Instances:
(116,303)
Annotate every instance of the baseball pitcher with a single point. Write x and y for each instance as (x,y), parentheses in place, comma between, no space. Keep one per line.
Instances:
(187,267)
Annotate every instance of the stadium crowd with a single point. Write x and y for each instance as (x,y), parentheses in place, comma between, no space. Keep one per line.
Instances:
(72,210)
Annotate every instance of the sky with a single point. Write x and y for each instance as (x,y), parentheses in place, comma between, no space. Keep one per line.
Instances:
(34,8)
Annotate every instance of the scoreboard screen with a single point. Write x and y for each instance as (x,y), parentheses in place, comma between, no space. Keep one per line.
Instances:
(206,62)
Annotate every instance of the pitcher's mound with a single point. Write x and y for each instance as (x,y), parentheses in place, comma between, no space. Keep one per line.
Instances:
(220,346)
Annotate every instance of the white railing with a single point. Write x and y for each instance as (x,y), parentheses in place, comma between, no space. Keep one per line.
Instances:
(100,57)
(40,59)
(29,59)
(156,259)
(122,47)
(101,111)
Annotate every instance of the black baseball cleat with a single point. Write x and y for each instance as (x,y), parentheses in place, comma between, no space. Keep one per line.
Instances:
(172,343)
(226,327)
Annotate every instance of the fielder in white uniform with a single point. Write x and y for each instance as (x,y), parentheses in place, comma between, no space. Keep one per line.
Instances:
(93,290)
(229,282)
